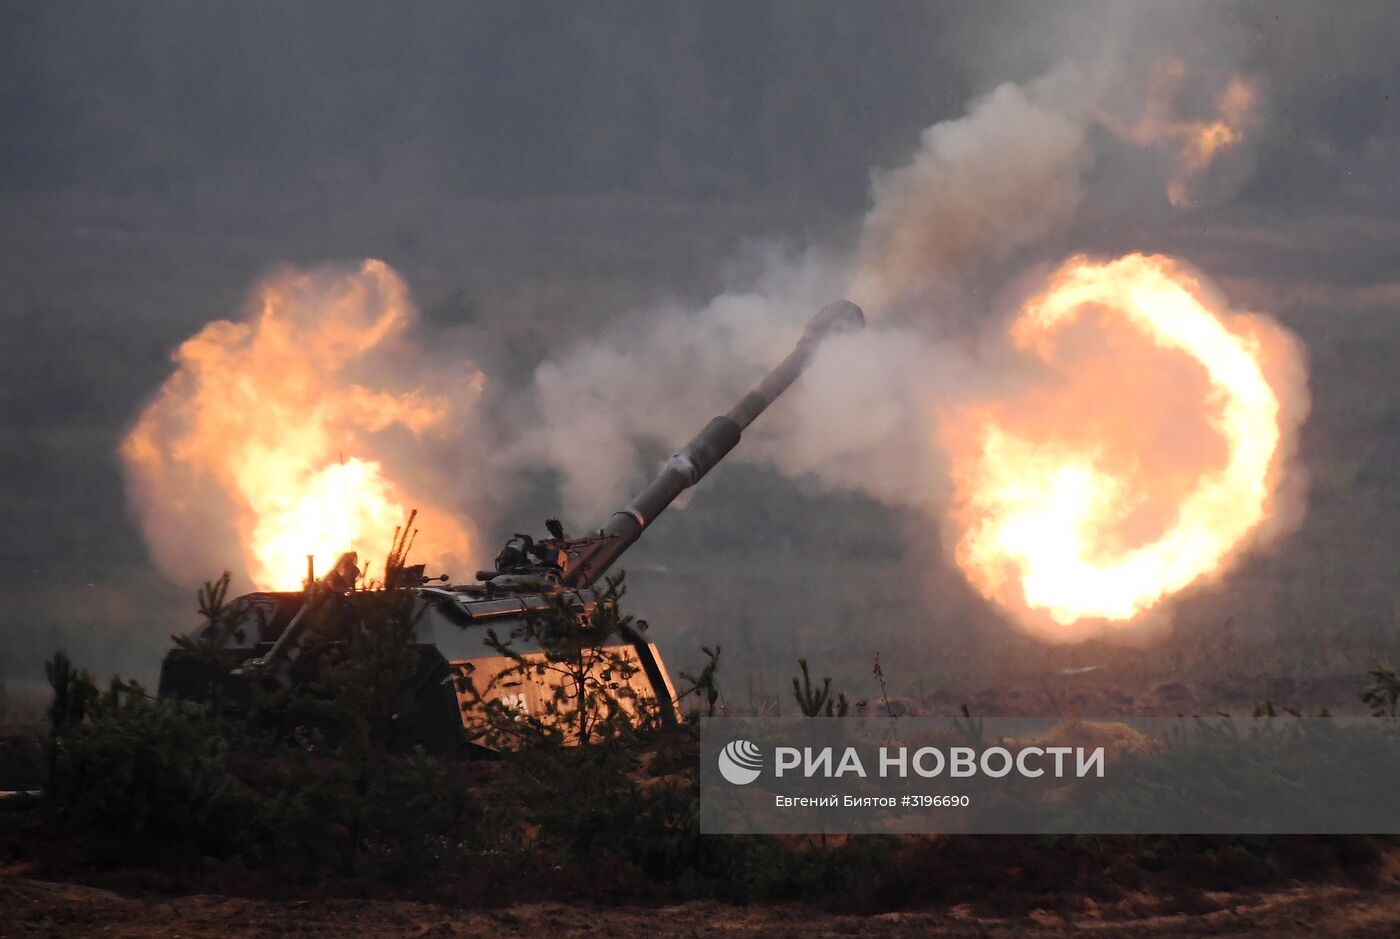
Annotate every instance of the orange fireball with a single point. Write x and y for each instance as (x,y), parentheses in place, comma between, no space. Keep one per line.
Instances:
(1143,454)
(277,430)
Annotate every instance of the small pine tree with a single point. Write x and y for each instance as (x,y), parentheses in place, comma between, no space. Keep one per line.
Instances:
(74,694)
(1382,695)
(815,702)
(706,684)
(573,657)
(970,727)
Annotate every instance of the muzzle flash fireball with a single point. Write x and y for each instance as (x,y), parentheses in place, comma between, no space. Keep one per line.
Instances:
(1145,453)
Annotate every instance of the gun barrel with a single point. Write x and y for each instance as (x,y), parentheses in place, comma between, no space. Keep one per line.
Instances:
(689,465)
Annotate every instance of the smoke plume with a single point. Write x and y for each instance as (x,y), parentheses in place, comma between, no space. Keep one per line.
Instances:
(978,189)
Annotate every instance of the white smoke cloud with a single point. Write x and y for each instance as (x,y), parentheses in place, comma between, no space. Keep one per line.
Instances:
(659,375)
(978,189)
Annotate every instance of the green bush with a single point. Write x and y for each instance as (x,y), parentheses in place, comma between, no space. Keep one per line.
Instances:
(140,773)
(140,777)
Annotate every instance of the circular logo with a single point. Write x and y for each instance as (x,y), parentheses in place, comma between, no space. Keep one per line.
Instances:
(740,762)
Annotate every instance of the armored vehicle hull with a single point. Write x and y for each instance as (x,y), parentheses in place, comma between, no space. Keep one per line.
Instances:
(277,639)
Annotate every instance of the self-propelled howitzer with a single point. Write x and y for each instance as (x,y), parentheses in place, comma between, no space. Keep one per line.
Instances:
(267,635)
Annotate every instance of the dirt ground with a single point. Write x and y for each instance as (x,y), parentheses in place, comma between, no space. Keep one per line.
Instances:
(39,908)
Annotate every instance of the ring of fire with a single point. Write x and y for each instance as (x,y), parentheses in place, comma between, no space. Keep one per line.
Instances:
(1036,514)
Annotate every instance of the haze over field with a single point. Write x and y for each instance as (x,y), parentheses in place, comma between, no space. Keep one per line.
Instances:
(634,207)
